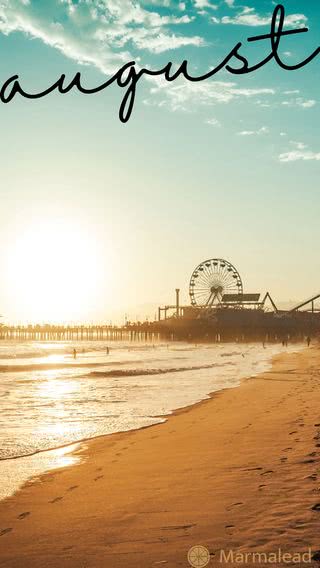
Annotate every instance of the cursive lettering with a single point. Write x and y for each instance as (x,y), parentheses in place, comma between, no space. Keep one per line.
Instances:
(128,76)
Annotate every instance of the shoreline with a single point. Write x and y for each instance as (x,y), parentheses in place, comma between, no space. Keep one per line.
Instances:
(55,457)
(112,485)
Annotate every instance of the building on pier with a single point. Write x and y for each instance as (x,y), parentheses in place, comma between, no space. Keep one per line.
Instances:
(219,308)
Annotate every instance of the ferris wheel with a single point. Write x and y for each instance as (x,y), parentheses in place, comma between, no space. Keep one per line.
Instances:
(211,280)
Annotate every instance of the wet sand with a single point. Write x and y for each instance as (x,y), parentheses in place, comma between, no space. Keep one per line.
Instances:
(239,471)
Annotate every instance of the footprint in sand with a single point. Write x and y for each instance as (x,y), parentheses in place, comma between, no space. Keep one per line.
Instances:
(234,505)
(99,477)
(5,531)
(24,515)
(56,500)
(267,472)
(177,527)
(73,487)
(316,507)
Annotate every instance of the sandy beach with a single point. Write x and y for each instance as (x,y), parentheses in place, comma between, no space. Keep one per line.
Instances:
(239,471)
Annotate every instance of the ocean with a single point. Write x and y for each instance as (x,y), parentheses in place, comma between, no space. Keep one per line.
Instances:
(51,401)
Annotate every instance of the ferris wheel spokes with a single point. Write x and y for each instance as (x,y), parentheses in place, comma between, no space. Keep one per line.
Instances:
(211,280)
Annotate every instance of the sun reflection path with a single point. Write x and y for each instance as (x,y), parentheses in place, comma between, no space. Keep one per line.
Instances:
(56,388)
(57,417)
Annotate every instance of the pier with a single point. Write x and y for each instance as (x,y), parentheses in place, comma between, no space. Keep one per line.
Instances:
(219,310)
(129,332)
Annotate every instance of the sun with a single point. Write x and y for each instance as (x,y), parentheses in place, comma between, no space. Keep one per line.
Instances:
(54,271)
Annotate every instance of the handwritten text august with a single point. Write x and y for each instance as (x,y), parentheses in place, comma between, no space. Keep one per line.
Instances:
(127,77)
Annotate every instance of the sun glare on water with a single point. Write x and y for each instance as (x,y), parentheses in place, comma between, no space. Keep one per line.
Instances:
(54,270)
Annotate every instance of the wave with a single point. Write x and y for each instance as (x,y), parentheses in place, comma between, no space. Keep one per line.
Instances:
(143,372)
(23,367)
(48,366)
(232,354)
(32,354)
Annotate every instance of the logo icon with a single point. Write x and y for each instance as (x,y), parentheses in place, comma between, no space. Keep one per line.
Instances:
(198,556)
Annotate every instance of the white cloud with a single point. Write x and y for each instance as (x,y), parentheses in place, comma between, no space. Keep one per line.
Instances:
(259,132)
(213,122)
(181,95)
(202,4)
(298,145)
(307,104)
(249,17)
(100,33)
(300,153)
(164,41)
(300,102)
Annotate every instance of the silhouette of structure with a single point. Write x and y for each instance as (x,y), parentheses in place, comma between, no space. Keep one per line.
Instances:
(219,310)
(308,305)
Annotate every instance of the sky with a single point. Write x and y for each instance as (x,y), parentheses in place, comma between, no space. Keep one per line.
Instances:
(100,220)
